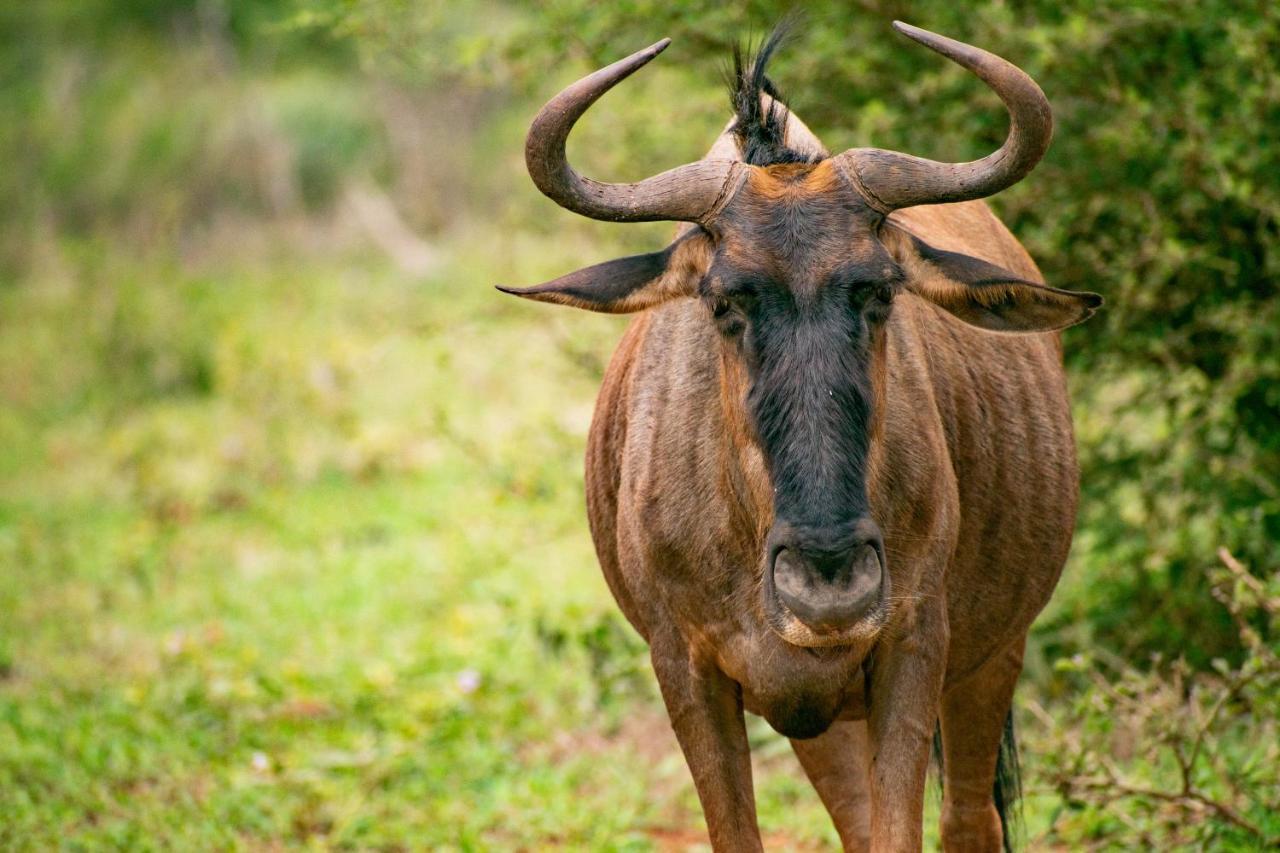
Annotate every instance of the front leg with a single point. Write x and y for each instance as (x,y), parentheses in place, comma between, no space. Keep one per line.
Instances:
(906,684)
(974,711)
(705,707)
(836,763)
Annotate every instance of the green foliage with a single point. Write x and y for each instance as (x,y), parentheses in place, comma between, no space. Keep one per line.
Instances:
(1175,758)
(131,138)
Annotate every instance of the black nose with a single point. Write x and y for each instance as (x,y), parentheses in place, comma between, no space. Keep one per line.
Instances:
(829,582)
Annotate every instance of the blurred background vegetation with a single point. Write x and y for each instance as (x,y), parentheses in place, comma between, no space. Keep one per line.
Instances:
(292,549)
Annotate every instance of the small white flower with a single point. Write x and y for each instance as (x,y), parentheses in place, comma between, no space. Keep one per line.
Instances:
(259,762)
(468,681)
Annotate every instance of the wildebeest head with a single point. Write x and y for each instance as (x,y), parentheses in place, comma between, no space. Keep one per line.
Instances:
(793,257)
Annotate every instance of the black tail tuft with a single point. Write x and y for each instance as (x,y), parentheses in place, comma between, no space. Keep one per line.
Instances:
(1007,791)
(761,134)
(1008,787)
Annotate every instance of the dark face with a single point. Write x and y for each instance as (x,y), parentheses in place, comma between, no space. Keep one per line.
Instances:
(800,289)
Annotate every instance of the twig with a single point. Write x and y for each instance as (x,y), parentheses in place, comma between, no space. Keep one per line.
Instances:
(1226,812)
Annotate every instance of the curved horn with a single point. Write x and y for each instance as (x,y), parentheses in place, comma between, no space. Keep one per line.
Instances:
(892,180)
(686,193)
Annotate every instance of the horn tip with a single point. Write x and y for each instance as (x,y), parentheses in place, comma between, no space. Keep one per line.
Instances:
(659,46)
(911,32)
(957,51)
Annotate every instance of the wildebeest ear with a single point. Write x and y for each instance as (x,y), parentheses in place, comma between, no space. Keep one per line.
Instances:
(990,297)
(629,284)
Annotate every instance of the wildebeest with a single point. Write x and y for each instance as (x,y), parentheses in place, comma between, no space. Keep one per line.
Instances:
(819,485)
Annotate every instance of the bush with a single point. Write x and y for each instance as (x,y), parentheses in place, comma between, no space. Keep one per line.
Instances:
(1172,757)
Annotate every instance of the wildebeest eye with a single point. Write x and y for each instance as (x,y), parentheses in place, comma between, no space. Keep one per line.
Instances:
(872,299)
(728,317)
(883,291)
(862,290)
(741,292)
(874,288)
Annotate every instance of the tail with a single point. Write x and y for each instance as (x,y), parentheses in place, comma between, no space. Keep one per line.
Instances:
(1007,791)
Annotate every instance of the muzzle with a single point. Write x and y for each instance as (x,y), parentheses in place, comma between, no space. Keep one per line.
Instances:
(830,579)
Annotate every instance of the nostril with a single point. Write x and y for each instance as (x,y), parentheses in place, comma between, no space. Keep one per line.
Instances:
(790,576)
(825,600)
(865,572)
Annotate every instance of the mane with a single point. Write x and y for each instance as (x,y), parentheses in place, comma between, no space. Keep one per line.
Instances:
(761,133)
